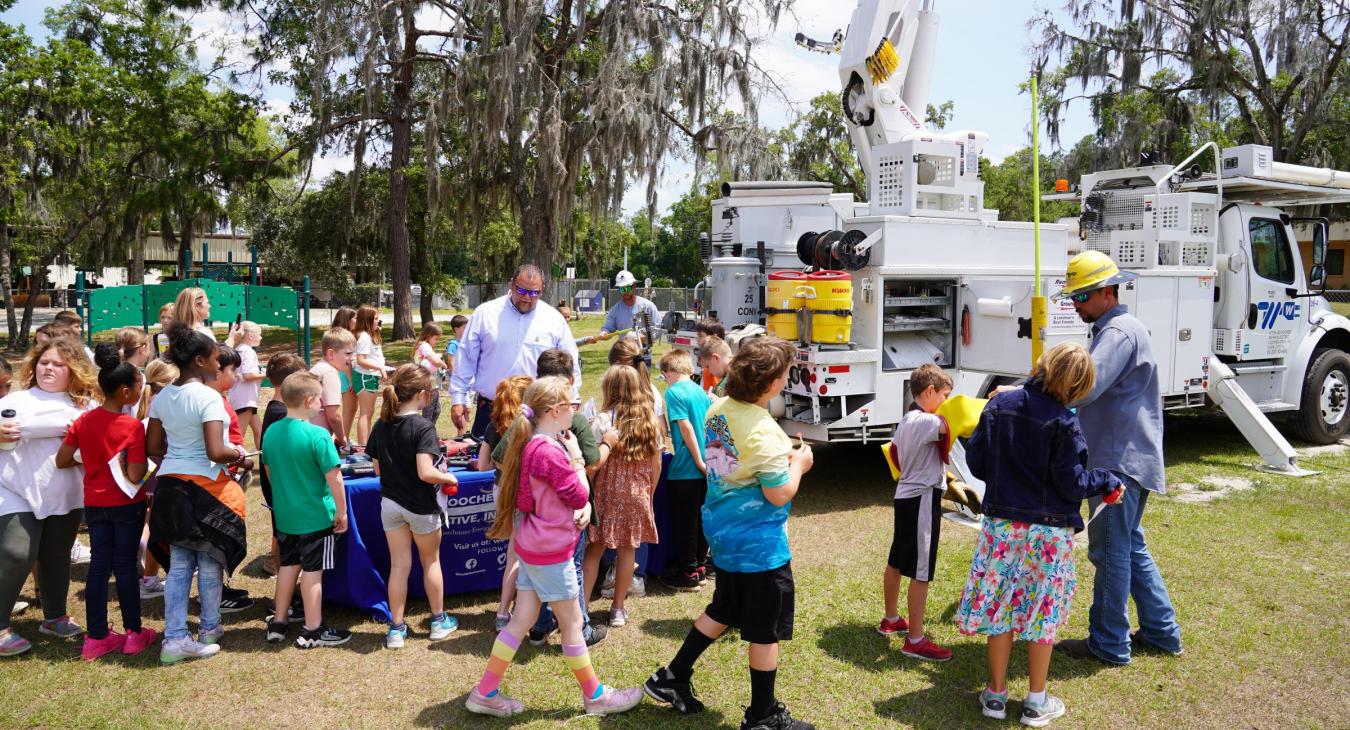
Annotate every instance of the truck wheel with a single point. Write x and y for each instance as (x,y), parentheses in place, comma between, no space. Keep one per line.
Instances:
(1324,413)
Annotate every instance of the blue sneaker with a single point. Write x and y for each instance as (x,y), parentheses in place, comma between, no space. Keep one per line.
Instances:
(441,627)
(1041,715)
(396,637)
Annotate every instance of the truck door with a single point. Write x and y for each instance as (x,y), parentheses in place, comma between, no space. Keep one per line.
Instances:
(1273,311)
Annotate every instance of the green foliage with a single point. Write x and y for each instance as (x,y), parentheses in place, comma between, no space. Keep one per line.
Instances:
(1007,187)
(818,147)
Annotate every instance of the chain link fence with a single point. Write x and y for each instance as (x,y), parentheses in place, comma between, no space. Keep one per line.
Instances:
(666,299)
(1340,300)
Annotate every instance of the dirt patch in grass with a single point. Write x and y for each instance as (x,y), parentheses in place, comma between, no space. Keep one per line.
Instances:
(1210,488)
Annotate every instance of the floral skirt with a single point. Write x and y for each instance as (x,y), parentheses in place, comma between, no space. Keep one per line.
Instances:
(623,504)
(1022,579)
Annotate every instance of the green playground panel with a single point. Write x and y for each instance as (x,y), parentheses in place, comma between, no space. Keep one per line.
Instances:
(116,307)
(272,306)
(157,295)
(227,300)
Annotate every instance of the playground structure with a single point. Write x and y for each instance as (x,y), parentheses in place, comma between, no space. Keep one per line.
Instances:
(138,305)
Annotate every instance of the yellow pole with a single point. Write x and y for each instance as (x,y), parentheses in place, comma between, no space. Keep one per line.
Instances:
(1038,306)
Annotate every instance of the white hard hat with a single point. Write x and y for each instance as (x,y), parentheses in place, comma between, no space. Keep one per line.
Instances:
(625,278)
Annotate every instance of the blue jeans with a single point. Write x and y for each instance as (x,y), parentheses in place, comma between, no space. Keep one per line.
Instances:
(1125,570)
(114,540)
(210,579)
(546,623)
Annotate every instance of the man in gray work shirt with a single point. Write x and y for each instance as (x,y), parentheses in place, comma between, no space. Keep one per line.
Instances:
(1122,423)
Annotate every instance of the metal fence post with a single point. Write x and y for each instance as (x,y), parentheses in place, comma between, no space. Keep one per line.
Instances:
(79,308)
(306,304)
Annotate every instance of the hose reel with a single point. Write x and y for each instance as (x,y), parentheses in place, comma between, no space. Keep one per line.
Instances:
(833,250)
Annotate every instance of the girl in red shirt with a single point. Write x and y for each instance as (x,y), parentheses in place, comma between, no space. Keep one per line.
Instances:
(104,439)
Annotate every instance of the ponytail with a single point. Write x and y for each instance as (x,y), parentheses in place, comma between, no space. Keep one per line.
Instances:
(404,385)
(508,479)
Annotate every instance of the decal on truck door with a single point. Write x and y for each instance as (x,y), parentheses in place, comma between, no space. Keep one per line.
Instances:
(1272,312)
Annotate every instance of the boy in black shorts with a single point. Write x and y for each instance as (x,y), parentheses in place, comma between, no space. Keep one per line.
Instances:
(309,506)
(753,474)
(917,449)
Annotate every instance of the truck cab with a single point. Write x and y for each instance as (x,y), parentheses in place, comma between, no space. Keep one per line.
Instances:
(1272,325)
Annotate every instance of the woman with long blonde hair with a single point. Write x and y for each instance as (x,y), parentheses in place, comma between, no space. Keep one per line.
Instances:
(626,481)
(41,506)
(193,308)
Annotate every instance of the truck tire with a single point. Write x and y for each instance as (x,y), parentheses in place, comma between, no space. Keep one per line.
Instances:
(1324,410)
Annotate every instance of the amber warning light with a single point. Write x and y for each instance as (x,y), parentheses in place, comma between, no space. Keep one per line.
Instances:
(1061,185)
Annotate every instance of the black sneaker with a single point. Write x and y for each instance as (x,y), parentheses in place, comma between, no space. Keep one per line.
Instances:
(663,687)
(598,634)
(682,581)
(295,610)
(233,600)
(322,636)
(778,719)
(276,631)
(539,638)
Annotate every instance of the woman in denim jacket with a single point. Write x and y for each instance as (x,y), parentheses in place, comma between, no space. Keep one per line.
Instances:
(1030,453)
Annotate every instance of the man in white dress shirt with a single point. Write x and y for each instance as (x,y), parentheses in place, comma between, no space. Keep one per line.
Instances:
(503,338)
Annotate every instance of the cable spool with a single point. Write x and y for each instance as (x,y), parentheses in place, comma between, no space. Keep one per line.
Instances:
(833,250)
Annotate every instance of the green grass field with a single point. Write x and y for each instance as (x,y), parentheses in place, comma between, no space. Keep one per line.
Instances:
(1257,574)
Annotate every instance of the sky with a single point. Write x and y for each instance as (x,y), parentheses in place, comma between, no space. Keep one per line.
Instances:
(981,57)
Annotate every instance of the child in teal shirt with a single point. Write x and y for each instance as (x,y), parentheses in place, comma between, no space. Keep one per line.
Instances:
(686,483)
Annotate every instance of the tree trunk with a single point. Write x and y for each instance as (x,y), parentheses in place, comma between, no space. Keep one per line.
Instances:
(34,288)
(185,231)
(400,124)
(5,287)
(136,266)
(170,241)
(425,308)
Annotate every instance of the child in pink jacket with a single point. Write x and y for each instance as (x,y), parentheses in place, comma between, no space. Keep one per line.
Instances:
(542,500)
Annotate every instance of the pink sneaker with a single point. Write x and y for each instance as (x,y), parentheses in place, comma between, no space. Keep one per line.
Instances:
(889,627)
(138,641)
(498,705)
(613,701)
(95,648)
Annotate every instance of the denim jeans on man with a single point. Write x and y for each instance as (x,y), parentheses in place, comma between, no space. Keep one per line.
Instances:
(1125,570)
(546,623)
(210,580)
(114,541)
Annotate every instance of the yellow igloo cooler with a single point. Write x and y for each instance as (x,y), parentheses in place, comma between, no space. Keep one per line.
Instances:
(782,303)
(829,296)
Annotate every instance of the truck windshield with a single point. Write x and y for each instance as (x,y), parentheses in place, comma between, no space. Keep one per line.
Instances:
(1270,251)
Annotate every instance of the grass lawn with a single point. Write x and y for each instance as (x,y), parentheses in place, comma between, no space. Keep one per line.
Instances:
(1254,574)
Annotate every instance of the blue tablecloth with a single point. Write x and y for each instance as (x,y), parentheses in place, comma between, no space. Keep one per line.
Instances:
(469,560)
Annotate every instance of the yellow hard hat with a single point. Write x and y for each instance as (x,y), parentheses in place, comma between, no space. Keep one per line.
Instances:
(1091,270)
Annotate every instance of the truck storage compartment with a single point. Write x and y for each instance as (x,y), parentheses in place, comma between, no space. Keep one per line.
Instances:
(916,323)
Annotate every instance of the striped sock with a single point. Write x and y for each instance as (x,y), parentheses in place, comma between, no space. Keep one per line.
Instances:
(503,651)
(579,661)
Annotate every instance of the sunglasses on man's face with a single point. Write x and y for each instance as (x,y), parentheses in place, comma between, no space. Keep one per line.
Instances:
(625,289)
(1082,297)
(531,293)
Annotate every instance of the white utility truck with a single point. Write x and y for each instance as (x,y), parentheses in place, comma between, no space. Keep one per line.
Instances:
(931,276)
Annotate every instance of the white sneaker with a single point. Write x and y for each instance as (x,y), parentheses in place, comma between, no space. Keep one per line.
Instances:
(212,636)
(80,553)
(152,587)
(179,650)
(636,587)
(618,617)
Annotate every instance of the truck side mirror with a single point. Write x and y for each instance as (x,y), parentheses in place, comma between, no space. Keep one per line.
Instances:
(1317,278)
